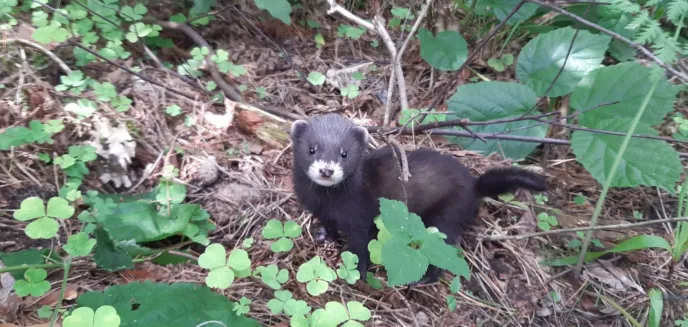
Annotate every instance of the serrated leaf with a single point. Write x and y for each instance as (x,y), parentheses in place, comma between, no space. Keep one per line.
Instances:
(107,255)
(399,221)
(494,100)
(403,264)
(542,57)
(79,245)
(447,50)
(626,84)
(445,256)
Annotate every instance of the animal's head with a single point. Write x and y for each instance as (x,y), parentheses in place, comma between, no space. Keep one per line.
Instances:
(328,148)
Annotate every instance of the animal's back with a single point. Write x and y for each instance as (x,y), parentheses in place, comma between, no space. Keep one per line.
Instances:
(435,179)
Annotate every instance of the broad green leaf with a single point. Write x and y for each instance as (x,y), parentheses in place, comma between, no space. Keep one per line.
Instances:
(79,245)
(33,284)
(399,221)
(24,257)
(445,256)
(495,100)
(147,304)
(316,287)
(641,242)
(215,256)
(31,208)
(403,264)
(333,314)
(280,9)
(502,8)
(610,98)
(296,307)
(59,208)
(597,153)
(616,92)
(542,57)
(44,228)
(446,51)
(375,249)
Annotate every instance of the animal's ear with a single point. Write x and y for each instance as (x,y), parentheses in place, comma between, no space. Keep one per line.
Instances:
(298,127)
(361,134)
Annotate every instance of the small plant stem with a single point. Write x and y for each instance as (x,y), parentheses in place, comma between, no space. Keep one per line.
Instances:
(612,173)
(65,276)
(47,266)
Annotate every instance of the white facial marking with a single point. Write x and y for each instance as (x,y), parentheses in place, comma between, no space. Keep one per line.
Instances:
(314,172)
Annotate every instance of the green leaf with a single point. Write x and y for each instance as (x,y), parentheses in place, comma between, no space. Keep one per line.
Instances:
(147,304)
(609,97)
(502,8)
(273,229)
(30,208)
(372,281)
(375,249)
(105,316)
(295,308)
(79,245)
(282,245)
(173,110)
(579,200)
(280,9)
(446,51)
(445,256)
(642,242)
(656,307)
(108,256)
(451,303)
(292,229)
(542,58)
(333,314)
(494,100)
(33,284)
(238,259)
(316,78)
(42,228)
(358,311)
(221,278)
(44,312)
(213,257)
(399,221)
(403,264)
(59,208)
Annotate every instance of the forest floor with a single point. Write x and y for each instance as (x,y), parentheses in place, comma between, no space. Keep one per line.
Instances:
(508,286)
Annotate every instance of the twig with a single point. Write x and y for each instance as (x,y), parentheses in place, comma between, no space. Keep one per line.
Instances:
(378,27)
(452,81)
(396,60)
(582,229)
(40,48)
(617,36)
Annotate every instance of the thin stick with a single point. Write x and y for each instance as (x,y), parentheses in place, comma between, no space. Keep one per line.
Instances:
(40,48)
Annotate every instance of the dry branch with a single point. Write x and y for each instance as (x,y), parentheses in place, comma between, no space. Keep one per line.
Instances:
(45,51)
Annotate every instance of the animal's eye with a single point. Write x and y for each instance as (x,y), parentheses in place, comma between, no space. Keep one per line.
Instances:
(311,151)
(344,154)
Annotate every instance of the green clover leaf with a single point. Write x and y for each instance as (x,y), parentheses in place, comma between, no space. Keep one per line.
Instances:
(33,284)
(105,316)
(79,245)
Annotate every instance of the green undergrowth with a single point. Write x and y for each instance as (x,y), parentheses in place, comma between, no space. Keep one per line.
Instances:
(559,60)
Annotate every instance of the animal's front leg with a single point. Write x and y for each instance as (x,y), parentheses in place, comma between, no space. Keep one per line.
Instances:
(358,235)
(326,232)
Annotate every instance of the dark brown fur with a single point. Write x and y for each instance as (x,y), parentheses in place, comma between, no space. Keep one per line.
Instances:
(441,190)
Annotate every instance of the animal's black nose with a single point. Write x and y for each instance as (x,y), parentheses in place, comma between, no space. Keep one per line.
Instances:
(326,172)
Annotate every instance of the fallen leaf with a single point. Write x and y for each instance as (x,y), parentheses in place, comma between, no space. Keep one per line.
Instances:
(71,293)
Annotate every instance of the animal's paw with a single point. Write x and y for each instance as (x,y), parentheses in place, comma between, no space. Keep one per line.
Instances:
(321,236)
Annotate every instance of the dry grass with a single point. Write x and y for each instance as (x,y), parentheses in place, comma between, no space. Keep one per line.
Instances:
(508,286)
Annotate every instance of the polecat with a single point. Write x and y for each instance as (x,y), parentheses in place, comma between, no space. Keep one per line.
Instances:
(338,182)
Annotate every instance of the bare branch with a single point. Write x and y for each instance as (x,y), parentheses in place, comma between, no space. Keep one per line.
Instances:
(40,48)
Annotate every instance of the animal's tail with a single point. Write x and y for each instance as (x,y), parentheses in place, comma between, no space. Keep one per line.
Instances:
(498,181)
